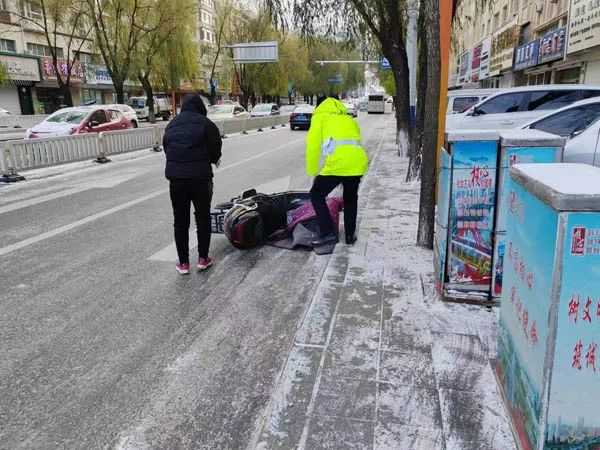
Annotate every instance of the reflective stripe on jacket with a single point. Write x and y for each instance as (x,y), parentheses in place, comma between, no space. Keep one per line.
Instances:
(335,135)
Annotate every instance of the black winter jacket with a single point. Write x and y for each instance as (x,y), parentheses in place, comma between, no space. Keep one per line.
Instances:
(192,143)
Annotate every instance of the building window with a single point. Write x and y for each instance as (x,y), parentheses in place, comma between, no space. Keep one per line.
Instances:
(33,12)
(504,13)
(496,20)
(514,6)
(84,57)
(3,5)
(6,45)
(43,50)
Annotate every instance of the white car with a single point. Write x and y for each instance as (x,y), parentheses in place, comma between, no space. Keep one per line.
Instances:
(352,111)
(227,111)
(580,124)
(287,109)
(127,112)
(264,110)
(460,100)
(514,107)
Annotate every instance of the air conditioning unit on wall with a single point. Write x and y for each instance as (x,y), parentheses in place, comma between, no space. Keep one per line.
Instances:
(539,6)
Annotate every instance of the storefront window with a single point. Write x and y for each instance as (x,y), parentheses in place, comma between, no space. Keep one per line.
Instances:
(568,76)
(91,96)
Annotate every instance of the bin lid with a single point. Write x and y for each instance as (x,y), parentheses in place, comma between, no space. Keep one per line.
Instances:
(565,187)
(530,138)
(471,135)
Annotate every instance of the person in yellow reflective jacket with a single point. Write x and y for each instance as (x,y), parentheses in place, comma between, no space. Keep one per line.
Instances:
(335,136)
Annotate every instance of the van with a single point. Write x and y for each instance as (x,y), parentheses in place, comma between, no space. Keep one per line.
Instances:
(460,100)
(162,107)
(376,104)
(513,107)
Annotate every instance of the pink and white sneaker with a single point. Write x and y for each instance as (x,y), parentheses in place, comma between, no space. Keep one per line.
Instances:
(204,263)
(183,269)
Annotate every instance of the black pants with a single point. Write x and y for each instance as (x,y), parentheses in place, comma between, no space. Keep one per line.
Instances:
(321,188)
(183,193)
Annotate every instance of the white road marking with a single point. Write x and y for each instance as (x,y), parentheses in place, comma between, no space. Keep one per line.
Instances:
(278,185)
(169,253)
(24,243)
(41,237)
(102,183)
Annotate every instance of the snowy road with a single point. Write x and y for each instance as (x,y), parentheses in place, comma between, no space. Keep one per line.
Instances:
(103,345)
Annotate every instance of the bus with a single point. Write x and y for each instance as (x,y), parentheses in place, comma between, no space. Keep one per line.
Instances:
(376,104)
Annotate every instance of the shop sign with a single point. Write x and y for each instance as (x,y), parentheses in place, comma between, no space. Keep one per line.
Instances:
(584,25)
(552,46)
(527,55)
(21,69)
(49,72)
(476,63)
(503,43)
(97,75)
(484,65)
(463,68)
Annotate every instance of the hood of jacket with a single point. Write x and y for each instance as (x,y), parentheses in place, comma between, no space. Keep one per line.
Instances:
(193,103)
(331,106)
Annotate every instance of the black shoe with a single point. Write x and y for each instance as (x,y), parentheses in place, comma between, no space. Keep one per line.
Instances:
(327,239)
(350,240)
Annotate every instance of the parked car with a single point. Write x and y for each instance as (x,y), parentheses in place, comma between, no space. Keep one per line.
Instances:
(162,107)
(128,112)
(516,106)
(79,120)
(227,111)
(580,124)
(301,117)
(460,100)
(265,109)
(388,107)
(287,109)
(352,111)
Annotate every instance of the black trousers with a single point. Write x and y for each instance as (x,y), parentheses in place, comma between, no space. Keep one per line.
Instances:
(321,188)
(183,194)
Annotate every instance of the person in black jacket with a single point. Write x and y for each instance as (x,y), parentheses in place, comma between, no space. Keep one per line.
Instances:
(192,143)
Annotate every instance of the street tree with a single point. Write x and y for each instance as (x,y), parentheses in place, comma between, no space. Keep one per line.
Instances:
(384,19)
(65,25)
(119,26)
(224,21)
(167,52)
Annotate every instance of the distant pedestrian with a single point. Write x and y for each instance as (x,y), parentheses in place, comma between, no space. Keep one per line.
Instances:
(192,143)
(336,136)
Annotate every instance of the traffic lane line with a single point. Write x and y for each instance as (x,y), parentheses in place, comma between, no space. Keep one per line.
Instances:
(62,229)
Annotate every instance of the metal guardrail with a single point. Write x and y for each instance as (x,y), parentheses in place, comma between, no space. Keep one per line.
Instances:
(29,154)
(20,121)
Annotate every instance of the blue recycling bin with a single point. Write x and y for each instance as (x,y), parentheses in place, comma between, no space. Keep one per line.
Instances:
(548,363)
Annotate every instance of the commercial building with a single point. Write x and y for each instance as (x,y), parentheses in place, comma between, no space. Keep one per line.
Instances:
(505,43)
(24,52)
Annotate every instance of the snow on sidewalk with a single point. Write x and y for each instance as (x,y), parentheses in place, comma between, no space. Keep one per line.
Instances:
(379,362)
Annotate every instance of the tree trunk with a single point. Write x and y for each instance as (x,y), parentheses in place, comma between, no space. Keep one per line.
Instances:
(430,129)
(65,90)
(119,86)
(415,155)
(399,64)
(145,81)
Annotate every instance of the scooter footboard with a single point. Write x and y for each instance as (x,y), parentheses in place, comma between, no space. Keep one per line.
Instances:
(217,220)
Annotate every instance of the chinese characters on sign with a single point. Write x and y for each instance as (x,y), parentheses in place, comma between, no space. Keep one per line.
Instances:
(521,310)
(49,71)
(584,25)
(552,46)
(581,313)
(585,242)
(527,55)
(476,63)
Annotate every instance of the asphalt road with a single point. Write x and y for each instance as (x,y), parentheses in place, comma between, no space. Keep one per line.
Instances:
(104,345)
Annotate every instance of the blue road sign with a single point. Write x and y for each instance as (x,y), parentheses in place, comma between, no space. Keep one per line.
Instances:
(385,64)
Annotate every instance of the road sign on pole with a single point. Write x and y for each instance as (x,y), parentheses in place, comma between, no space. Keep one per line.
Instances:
(254,52)
(385,64)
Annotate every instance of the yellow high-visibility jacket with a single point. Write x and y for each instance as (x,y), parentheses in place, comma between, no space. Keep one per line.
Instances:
(331,122)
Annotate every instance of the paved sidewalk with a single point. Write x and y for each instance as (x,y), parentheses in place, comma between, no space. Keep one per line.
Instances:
(379,362)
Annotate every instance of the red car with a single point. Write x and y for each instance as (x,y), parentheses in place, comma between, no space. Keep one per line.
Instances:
(79,120)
